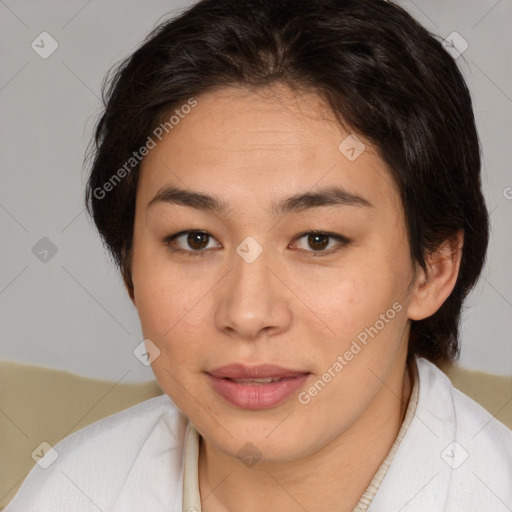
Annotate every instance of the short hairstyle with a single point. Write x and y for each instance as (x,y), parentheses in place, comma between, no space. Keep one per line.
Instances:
(380,72)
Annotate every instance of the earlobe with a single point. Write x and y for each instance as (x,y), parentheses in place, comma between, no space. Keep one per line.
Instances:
(433,287)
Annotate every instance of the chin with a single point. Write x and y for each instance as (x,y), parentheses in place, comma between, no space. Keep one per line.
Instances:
(262,442)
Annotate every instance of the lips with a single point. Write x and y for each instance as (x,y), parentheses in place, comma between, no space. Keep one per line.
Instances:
(256,387)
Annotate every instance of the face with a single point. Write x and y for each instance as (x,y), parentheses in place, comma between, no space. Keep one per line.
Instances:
(317,285)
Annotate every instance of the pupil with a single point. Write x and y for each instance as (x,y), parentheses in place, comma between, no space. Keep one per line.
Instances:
(313,240)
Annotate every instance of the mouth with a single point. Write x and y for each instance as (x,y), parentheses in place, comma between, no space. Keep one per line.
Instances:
(238,371)
(258,381)
(256,387)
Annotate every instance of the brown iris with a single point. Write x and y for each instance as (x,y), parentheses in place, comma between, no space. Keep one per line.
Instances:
(314,243)
(197,238)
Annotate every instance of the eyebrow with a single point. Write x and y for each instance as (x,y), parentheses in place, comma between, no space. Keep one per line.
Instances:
(327,196)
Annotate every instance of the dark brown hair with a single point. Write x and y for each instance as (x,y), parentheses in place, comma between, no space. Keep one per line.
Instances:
(380,72)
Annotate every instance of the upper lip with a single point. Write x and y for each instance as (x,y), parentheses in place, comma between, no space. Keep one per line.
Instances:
(260,371)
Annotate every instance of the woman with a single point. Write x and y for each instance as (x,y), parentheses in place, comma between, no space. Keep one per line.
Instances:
(292,192)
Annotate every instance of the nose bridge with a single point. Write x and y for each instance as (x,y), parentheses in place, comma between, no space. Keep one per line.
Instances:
(251,270)
(251,299)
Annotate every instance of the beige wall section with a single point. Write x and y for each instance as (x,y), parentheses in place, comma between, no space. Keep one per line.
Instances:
(43,405)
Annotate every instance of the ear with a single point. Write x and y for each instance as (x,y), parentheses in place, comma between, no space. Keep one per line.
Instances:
(433,287)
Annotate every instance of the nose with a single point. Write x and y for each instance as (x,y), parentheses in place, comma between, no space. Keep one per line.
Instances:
(253,302)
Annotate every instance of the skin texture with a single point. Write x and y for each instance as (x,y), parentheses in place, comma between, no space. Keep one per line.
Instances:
(290,307)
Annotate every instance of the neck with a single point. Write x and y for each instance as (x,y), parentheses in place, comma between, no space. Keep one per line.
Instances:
(309,483)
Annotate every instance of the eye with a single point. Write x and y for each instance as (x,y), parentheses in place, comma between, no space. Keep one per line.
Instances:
(319,240)
(195,240)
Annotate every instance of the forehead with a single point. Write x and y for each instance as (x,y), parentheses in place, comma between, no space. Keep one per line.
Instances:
(254,147)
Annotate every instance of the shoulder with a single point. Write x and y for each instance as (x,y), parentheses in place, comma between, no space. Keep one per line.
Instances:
(478,451)
(92,466)
(471,418)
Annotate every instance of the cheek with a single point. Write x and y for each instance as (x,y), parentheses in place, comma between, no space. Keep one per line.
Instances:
(351,299)
(171,317)
(170,308)
(367,313)
(166,300)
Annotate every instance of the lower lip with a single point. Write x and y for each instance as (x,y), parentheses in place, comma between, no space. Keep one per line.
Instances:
(257,396)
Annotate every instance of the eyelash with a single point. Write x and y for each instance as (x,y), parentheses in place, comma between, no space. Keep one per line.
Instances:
(342,240)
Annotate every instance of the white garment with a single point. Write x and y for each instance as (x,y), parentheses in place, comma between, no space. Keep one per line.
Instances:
(454,457)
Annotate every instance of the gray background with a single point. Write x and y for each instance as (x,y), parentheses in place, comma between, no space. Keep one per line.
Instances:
(71,311)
